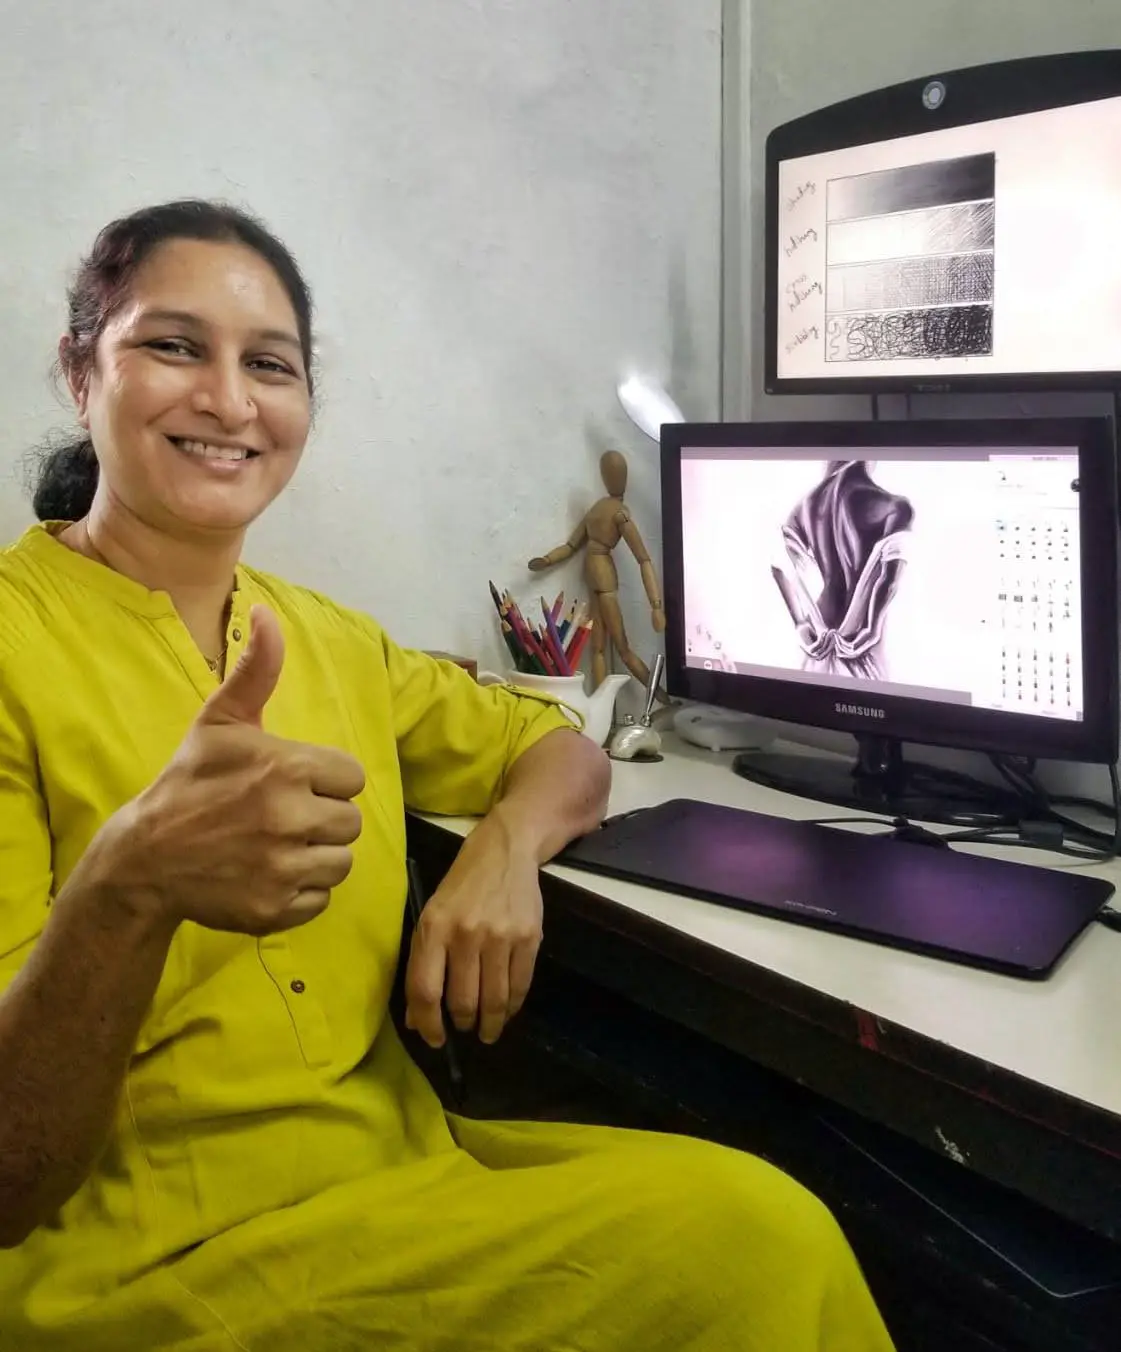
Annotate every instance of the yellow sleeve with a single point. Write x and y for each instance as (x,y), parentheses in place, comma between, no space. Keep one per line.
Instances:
(457,739)
(25,844)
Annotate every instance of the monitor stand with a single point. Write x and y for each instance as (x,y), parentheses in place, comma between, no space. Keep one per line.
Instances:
(882,782)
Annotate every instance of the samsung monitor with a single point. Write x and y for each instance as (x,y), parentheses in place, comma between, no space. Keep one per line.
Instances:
(954,232)
(946,583)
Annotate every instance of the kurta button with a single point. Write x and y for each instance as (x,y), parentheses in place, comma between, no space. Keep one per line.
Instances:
(298,986)
(236,635)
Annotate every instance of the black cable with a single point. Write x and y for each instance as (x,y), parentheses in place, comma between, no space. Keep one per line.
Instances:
(1081,831)
(1020,779)
(1087,804)
(1056,831)
(1044,829)
(848,821)
(1076,828)
(1034,836)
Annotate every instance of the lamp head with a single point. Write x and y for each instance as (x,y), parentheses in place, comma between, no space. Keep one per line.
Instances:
(648,405)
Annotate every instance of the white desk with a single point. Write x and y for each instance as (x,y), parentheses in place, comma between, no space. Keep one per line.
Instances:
(1062,1035)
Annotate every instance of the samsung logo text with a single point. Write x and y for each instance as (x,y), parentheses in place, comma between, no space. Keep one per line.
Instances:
(859,711)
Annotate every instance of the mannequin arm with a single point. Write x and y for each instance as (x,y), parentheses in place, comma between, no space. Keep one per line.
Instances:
(562,552)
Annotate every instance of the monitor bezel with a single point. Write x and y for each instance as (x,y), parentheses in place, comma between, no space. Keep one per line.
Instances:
(1093,740)
(974,94)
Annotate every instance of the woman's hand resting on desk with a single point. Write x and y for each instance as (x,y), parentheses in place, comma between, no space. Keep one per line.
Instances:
(477,940)
(478,936)
(242,831)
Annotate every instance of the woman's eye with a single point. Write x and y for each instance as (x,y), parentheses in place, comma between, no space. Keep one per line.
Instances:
(175,347)
(271,366)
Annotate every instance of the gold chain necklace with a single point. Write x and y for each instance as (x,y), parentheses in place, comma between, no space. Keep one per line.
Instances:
(91,551)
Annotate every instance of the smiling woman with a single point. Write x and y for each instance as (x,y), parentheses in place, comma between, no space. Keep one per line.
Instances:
(117,277)
(211,1135)
(199,415)
(188,356)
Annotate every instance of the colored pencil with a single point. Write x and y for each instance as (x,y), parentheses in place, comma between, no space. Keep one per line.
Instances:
(566,623)
(525,639)
(521,628)
(512,609)
(555,644)
(513,614)
(549,648)
(579,643)
(578,621)
(579,616)
(519,657)
(548,667)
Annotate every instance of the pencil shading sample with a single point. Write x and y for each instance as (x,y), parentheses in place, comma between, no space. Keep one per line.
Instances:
(913,236)
(936,183)
(923,331)
(846,542)
(910,262)
(912,283)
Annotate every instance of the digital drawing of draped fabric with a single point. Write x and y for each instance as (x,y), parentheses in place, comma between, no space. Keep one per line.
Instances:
(846,540)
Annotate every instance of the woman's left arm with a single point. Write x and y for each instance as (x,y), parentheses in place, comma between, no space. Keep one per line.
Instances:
(480,932)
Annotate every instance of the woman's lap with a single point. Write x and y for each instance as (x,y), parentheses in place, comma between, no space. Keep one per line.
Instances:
(531,1236)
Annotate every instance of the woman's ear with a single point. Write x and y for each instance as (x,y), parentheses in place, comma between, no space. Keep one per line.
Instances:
(77,380)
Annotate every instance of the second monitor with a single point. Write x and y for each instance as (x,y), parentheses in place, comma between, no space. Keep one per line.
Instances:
(947,583)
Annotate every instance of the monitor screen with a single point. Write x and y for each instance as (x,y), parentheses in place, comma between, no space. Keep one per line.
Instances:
(848,573)
(901,577)
(930,252)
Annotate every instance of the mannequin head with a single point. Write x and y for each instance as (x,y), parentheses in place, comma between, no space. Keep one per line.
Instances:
(613,470)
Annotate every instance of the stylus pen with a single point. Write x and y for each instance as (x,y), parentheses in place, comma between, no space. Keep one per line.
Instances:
(451,1054)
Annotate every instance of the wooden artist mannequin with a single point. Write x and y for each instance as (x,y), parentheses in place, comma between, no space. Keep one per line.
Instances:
(605,523)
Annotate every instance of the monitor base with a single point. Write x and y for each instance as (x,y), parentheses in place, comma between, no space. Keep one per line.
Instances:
(882,782)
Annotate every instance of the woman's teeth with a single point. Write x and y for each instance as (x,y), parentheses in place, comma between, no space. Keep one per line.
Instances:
(207,452)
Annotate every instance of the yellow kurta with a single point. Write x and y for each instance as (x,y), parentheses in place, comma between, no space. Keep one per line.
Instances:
(280,1176)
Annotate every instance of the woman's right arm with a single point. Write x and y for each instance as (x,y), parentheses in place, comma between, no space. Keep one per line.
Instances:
(68,1024)
(242,832)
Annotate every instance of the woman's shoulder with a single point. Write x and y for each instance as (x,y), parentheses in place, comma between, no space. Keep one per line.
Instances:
(27,599)
(310,609)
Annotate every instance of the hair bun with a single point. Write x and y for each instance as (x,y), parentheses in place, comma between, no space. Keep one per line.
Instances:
(66,481)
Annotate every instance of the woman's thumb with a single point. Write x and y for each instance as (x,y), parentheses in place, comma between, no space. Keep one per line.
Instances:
(242,696)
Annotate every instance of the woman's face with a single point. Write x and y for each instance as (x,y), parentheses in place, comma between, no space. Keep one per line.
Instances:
(198,402)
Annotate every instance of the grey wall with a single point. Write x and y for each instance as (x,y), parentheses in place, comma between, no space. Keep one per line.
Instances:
(500,206)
